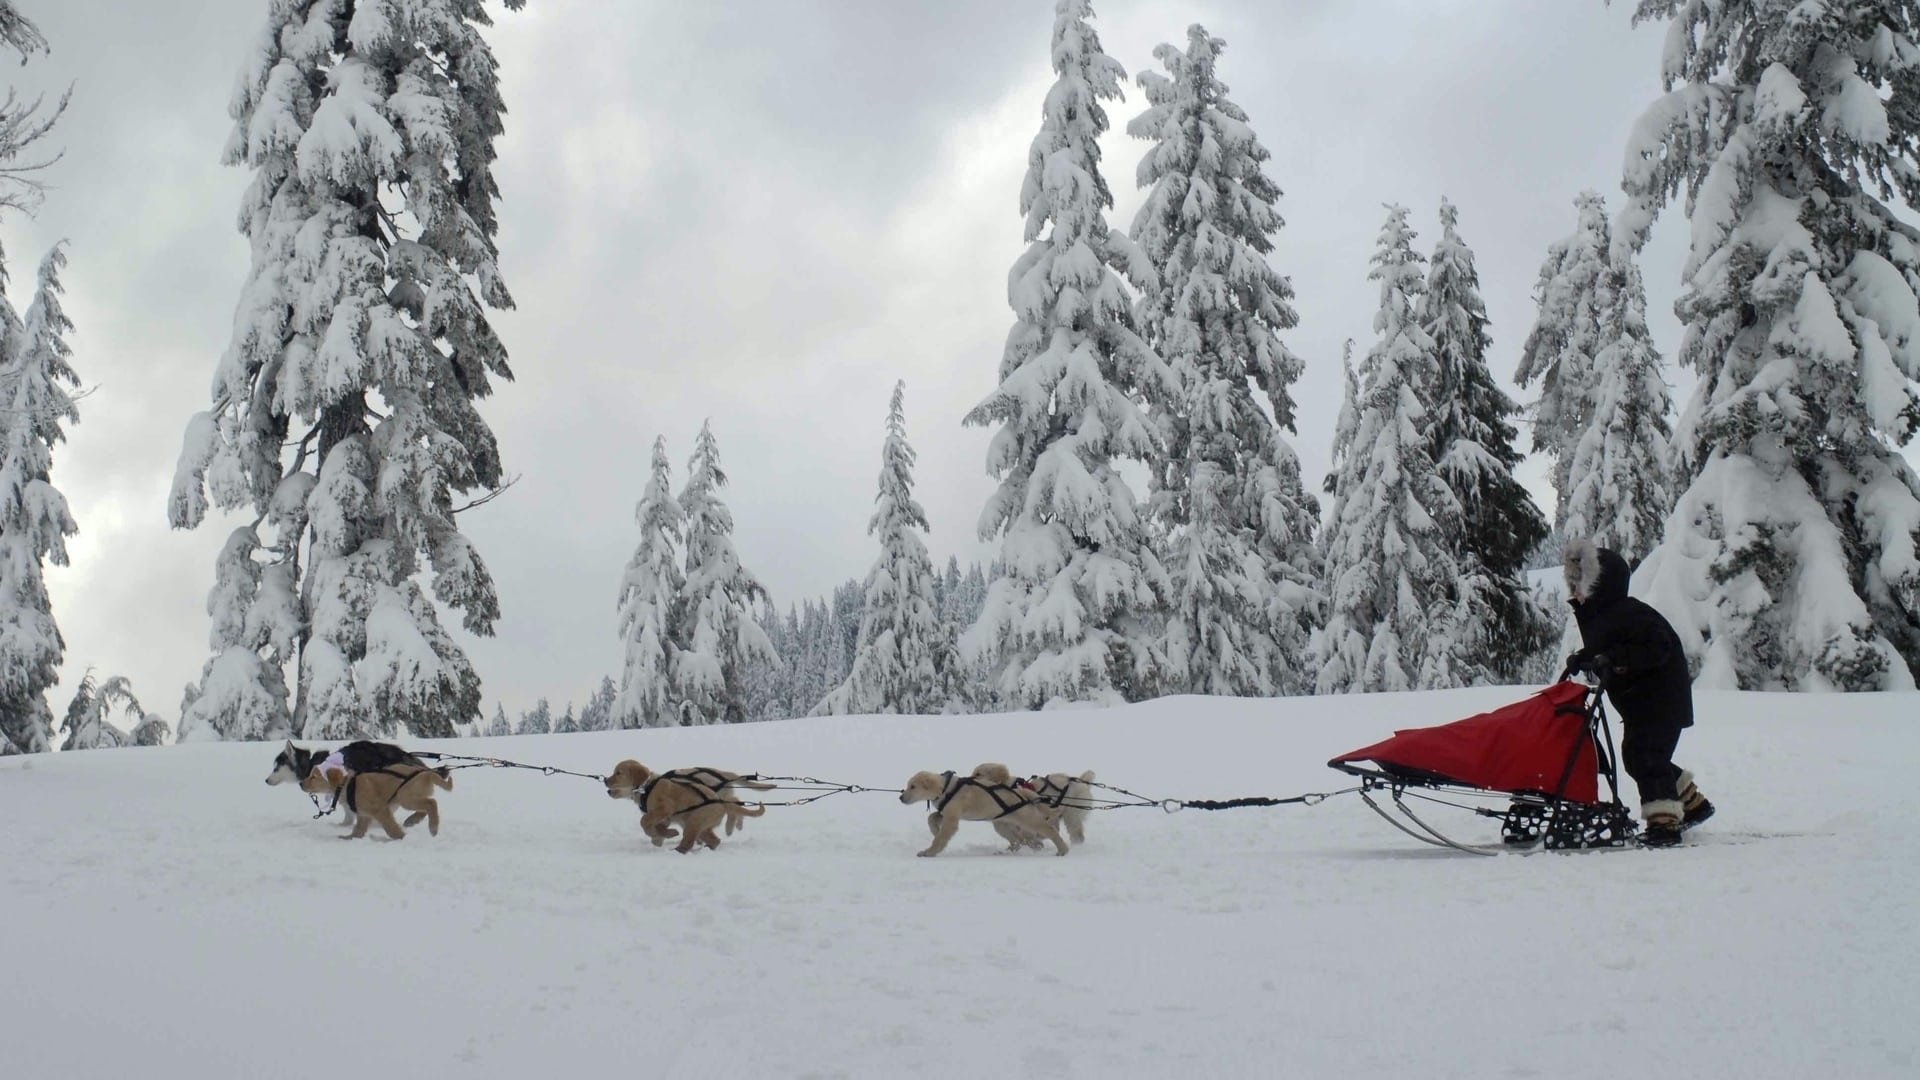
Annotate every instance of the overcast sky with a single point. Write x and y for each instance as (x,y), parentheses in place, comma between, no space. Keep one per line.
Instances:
(765,213)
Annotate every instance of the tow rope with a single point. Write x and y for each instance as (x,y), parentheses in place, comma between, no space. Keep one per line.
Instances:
(817,789)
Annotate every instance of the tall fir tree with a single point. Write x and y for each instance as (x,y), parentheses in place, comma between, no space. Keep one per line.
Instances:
(343,412)
(36,384)
(1620,485)
(597,715)
(1560,349)
(87,723)
(499,725)
(1393,618)
(903,657)
(537,722)
(1070,616)
(649,605)
(1227,491)
(1603,408)
(718,637)
(1789,561)
(1470,437)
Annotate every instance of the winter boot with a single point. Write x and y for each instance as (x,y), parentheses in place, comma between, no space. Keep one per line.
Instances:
(1698,809)
(1662,827)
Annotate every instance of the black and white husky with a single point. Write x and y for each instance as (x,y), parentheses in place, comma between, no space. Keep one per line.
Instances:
(294,763)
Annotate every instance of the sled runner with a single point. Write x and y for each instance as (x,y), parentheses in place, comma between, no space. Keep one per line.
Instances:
(1543,757)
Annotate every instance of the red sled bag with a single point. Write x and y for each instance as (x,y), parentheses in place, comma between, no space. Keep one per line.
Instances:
(1542,758)
(1539,746)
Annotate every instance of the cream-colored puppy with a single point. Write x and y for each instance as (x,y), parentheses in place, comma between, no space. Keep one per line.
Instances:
(987,794)
(696,800)
(373,795)
(1071,794)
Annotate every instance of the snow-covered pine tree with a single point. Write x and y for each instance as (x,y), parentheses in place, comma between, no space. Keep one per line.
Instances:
(1470,437)
(1346,425)
(537,722)
(718,637)
(902,656)
(1071,616)
(597,715)
(343,411)
(17,32)
(568,724)
(1390,573)
(150,731)
(1560,350)
(1789,561)
(768,685)
(87,723)
(649,605)
(947,588)
(499,725)
(22,122)
(849,603)
(1619,479)
(1227,490)
(1590,343)
(36,377)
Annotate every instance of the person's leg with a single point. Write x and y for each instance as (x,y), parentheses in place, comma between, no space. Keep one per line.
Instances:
(1697,808)
(1647,753)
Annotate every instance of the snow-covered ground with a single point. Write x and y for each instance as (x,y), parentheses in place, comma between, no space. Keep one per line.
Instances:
(168,914)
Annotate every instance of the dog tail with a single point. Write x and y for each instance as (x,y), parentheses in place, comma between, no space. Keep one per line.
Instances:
(1087,777)
(755,811)
(753,785)
(440,777)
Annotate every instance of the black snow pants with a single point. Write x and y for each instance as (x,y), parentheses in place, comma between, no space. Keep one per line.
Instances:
(1646,751)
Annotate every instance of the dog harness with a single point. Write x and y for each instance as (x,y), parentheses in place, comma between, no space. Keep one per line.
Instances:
(999,793)
(1045,790)
(353,783)
(707,782)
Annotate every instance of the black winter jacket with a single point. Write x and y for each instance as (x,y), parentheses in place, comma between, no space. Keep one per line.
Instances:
(1649,683)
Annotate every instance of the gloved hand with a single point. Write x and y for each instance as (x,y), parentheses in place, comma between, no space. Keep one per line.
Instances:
(1577,663)
(1601,667)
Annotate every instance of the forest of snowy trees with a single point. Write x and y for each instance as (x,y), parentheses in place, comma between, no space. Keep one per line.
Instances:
(1774,519)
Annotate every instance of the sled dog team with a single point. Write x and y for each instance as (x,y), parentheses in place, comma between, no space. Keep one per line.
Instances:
(1626,645)
(367,781)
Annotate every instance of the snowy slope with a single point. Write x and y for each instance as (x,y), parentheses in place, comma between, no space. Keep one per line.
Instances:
(168,910)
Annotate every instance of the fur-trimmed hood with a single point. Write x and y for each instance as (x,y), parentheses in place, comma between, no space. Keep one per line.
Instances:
(1595,573)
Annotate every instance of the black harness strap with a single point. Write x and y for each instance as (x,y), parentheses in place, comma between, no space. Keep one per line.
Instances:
(690,778)
(954,784)
(352,786)
(1049,792)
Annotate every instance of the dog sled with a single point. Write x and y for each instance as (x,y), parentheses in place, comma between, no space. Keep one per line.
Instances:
(1535,766)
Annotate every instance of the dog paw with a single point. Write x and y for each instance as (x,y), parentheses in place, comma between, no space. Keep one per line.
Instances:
(927,854)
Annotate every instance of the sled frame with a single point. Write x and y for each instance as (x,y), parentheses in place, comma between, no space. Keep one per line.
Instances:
(1396,785)
(1420,830)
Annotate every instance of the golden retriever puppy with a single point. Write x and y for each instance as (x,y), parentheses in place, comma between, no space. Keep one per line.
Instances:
(697,800)
(1071,794)
(373,794)
(987,794)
